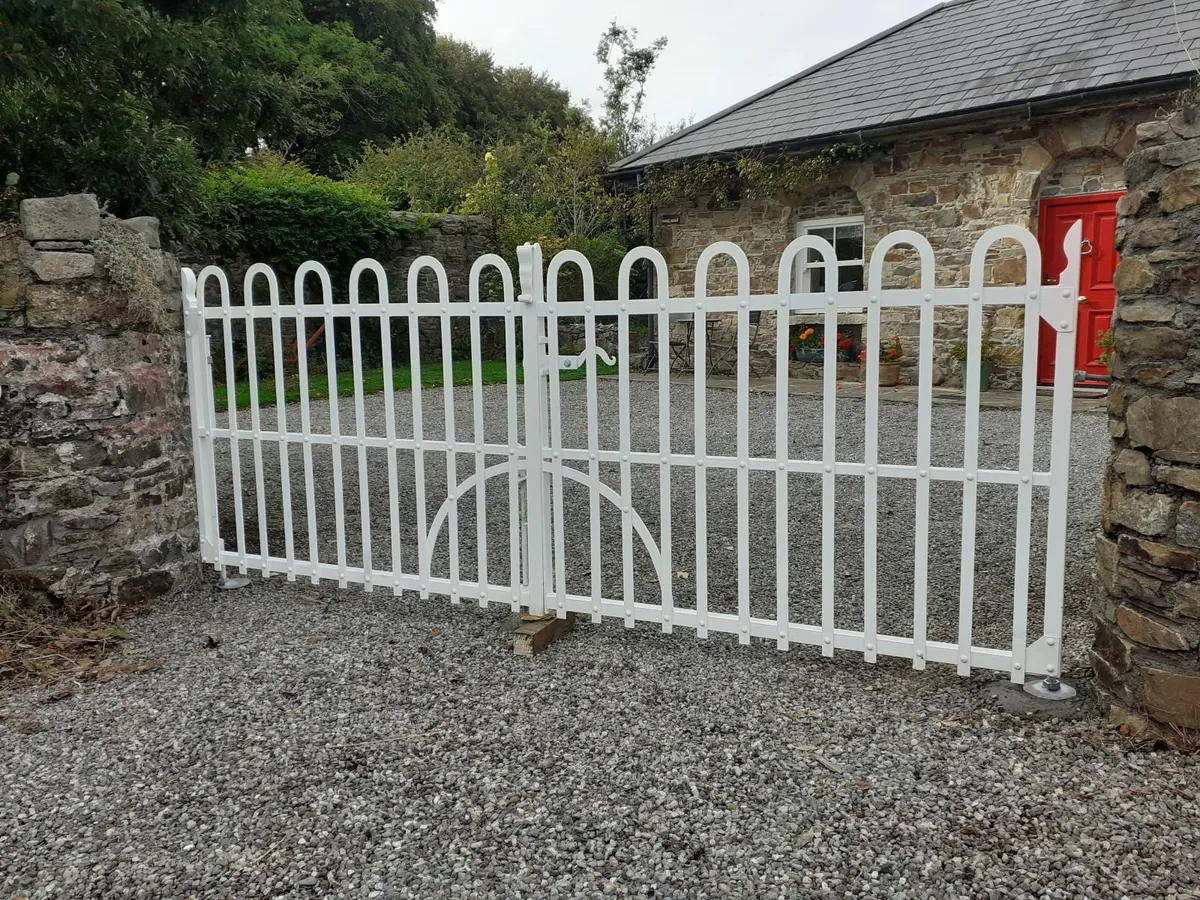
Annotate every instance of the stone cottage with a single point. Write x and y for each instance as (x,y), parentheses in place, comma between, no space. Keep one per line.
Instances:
(983,112)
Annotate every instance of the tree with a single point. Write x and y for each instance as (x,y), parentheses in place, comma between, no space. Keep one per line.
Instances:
(492,103)
(129,98)
(626,68)
(431,171)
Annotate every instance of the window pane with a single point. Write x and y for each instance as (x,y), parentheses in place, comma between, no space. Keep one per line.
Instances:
(849,244)
(816,279)
(812,255)
(850,278)
(826,233)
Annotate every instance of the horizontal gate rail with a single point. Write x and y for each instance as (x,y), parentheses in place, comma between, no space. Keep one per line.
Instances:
(539,462)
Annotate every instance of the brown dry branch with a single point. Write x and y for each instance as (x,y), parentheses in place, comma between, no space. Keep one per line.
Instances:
(36,645)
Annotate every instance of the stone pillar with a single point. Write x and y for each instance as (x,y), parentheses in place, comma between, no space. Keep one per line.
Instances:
(97,504)
(1148,616)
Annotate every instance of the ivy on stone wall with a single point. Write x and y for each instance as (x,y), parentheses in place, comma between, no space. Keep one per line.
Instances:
(748,176)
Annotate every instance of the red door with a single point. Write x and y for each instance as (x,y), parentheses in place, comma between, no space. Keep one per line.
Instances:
(1097,294)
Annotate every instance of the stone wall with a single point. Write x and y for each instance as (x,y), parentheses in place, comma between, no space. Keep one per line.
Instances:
(949,185)
(457,241)
(1148,614)
(96,498)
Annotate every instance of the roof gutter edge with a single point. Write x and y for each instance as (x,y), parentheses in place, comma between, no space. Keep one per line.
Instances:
(1095,96)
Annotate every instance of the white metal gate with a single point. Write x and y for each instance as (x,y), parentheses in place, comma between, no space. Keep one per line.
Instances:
(537,469)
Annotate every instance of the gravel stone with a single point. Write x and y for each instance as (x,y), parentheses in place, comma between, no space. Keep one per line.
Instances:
(309,741)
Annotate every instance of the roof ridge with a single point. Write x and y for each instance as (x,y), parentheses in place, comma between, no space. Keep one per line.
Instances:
(779,85)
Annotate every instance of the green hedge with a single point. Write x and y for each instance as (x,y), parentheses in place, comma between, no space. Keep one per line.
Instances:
(283,215)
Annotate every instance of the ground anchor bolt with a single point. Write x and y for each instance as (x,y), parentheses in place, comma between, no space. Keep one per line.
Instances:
(1050,688)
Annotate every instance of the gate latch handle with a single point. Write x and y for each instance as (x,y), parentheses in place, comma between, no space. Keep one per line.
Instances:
(1085,247)
(576,362)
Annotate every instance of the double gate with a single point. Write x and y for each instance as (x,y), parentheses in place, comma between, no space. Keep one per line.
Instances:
(336,488)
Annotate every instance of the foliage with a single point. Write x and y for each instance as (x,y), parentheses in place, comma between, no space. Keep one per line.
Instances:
(626,68)
(808,339)
(135,270)
(1105,343)
(82,112)
(129,99)
(493,103)
(431,171)
(890,351)
(749,176)
(548,189)
(282,214)
(989,350)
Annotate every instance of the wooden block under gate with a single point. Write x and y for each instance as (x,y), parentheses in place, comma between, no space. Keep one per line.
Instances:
(533,637)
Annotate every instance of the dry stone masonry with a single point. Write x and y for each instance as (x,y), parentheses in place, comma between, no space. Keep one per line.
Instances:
(1148,616)
(96,497)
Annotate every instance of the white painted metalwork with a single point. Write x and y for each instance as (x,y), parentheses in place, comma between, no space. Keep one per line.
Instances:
(539,459)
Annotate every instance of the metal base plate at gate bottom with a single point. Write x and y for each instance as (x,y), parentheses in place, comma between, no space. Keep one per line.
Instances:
(234,583)
(1050,689)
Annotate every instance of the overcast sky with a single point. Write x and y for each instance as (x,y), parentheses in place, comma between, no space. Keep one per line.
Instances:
(718,51)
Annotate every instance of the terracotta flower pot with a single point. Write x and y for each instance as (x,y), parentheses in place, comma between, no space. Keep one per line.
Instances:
(889,374)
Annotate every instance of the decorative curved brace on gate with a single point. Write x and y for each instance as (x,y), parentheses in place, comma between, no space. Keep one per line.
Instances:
(472,482)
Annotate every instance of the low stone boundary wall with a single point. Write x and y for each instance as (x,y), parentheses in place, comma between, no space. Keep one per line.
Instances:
(97,504)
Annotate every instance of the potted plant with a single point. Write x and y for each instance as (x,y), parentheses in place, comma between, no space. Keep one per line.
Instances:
(988,352)
(843,346)
(808,346)
(891,352)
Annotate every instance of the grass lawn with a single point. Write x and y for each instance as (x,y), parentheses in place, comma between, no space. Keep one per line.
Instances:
(494,372)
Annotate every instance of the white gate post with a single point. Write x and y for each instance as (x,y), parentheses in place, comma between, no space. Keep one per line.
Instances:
(199,375)
(529,260)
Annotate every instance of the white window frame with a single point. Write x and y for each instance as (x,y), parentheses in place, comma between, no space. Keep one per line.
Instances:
(804,226)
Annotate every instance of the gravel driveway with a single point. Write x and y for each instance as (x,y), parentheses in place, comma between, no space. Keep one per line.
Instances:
(302,741)
(996,520)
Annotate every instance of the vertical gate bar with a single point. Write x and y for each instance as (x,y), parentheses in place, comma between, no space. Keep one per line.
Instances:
(593,426)
(200,391)
(743,452)
(966,587)
(783,324)
(451,438)
(360,430)
(480,437)
(414,363)
(1060,465)
(559,589)
(664,449)
(828,459)
(515,543)
(871,460)
(700,414)
(306,418)
(389,424)
(1029,362)
(260,492)
(285,475)
(532,297)
(234,434)
(626,474)
(1060,441)
(335,431)
(924,461)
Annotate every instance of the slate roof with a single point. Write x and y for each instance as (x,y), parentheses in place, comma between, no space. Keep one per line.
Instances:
(958,57)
